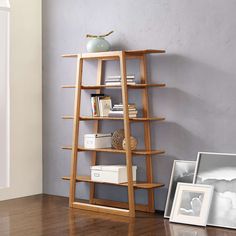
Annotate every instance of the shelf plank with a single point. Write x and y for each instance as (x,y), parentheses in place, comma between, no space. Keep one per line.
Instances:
(113,55)
(130,86)
(112,150)
(98,208)
(136,119)
(137,185)
(144,51)
(125,205)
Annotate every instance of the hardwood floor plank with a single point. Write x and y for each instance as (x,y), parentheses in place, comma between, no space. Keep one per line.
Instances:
(46,215)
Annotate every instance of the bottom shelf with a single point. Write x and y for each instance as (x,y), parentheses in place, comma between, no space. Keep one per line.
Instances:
(114,204)
(103,209)
(139,185)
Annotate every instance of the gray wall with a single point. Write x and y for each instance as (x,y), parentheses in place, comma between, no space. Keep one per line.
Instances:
(199,69)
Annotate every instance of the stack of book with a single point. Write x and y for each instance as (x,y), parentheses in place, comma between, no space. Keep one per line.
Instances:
(118,111)
(115,80)
(101,104)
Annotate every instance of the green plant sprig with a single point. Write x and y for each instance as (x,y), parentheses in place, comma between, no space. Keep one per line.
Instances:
(99,36)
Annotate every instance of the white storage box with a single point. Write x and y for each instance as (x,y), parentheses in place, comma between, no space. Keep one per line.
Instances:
(111,174)
(97,140)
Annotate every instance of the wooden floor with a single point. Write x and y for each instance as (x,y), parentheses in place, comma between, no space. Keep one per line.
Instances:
(50,215)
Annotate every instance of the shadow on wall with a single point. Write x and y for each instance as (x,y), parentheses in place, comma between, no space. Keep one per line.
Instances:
(199,101)
(198,104)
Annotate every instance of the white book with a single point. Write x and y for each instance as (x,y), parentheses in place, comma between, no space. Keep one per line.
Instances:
(119,76)
(119,79)
(121,105)
(116,112)
(113,83)
(119,83)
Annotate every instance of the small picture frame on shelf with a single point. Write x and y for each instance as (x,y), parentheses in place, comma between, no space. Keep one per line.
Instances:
(191,204)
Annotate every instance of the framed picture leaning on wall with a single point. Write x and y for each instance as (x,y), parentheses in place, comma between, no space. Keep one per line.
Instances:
(191,204)
(182,171)
(219,170)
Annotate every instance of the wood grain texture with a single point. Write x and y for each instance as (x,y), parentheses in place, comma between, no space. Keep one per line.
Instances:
(128,152)
(75,140)
(45,215)
(136,119)
(129,86)
(147,131)
(96,127)
(138,185)
(112,150)
(105,202)
(101,209)
(114,55)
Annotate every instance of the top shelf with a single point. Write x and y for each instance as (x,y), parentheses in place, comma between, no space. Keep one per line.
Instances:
(114,55)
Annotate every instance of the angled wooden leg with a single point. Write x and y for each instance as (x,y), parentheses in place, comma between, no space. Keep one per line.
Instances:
(76,130)
(96,129)
(127,135)
(149,174)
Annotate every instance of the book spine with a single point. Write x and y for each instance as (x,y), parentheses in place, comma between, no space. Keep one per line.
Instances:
(100,108)
(93,105)
(97,105)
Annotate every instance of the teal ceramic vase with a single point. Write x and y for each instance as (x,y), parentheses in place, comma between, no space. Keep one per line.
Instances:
(98,44)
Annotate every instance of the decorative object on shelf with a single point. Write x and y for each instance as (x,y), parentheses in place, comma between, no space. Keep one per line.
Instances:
(133,143)
(98,43)
(111,173)
(192,204)
(219,170)
(97,140)
(182,172)
(117,139)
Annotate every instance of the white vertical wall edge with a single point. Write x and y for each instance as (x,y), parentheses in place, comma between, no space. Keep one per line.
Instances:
(4,71)
(26,99)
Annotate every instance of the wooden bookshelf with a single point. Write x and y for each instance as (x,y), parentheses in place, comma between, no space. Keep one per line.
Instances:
(101,205)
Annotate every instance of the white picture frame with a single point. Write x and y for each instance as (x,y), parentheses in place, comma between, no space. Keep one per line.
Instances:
(182,171)
(191,204)
(219,170)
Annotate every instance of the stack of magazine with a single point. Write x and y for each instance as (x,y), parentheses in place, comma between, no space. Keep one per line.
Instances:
(115,80)
(118,111)
(101,104)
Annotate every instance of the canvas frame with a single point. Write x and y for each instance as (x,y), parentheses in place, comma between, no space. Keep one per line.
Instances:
(166,215)
(200,220)
(196,174)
